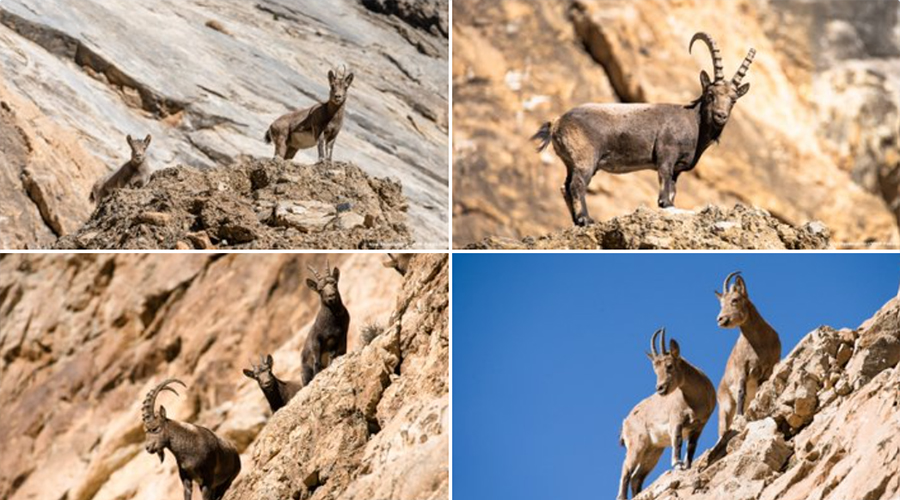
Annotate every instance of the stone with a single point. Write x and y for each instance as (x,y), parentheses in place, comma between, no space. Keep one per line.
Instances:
(304,215)
(350,220)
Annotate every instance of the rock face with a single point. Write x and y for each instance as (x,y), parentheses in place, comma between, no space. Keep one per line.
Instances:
(83,338)
(781,151)
(710,228)
(823,427)
(207,79)
(260,204)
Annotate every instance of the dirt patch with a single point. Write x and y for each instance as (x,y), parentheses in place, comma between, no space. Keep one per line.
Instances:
(252,204)
(711,228)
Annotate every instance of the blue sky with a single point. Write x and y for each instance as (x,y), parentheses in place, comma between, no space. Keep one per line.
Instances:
(548,351)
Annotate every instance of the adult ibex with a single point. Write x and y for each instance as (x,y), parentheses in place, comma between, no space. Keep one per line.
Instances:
(201,455)
(623,138)
(327,339)
(316,125)
(277,392)
(753,357)
(683,403)
(136,169)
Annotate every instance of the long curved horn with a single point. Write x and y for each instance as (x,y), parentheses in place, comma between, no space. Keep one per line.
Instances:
(662,342)
(653,342)
(727,279)
(315,273)
(149,407)
(743,69)
(714,50)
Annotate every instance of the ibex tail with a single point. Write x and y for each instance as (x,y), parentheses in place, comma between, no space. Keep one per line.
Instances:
(268,136)
(543,135)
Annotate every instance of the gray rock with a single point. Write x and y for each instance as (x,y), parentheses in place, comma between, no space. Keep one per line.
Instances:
(307,216)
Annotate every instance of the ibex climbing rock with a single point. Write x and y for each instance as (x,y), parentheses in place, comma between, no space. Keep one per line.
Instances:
(136,171)
(202,456)
(623,138)
(327,339)
(680,408)
(398,261)
(317,125)
(754,356)
(277,392)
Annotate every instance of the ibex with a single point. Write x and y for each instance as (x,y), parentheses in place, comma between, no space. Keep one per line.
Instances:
(753,357)
(317,125)
(135,169)
(399,261)
(683,403)
(623,138)
(327,339)
(277,392)
(201,455)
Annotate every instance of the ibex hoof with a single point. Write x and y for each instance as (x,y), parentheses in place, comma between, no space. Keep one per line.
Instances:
(583,221)
(664,204)
(679,466)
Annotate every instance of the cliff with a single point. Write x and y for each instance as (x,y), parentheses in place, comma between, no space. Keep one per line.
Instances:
(83,338)
(206,79)
(816,138)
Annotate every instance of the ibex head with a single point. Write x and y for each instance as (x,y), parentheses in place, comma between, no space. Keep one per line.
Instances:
(138,148)
(340,84)
(734,302)
(719,95)
(326,286)
(666,364)
(155,423)
(262,373)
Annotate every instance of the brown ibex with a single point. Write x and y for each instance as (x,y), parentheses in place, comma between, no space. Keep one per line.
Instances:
(277,392)
(327,339)
(754,356)
(680,408)
(201,455)
(136,169)
(317,125)
(623,138)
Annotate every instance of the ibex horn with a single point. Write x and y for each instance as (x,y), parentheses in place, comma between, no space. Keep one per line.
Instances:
(149,408)
(662,342)
(743,69)
(714,50)
(315,273)
(653,342)
(727,279)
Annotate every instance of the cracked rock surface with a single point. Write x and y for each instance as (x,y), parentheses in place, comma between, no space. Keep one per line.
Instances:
(206,78)
(84,337)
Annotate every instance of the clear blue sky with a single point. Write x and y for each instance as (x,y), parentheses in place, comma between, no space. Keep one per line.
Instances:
(548,351)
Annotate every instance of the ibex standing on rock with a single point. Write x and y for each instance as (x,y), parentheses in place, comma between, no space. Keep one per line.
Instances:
(201,455)
(136,169)
(315,125)
(753,357)
(277,392)
(623,138)
(683,403)
(327,339)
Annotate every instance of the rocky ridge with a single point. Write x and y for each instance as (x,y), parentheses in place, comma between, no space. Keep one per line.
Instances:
(645,229)
(84,337)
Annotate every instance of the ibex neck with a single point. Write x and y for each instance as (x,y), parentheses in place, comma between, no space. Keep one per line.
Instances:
(696,386)
(273,395)
(182,438)
(332,108)
(755,329)
(707,130)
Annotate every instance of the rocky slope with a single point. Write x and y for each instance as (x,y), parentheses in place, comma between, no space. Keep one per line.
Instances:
(83,338)
(824,427)
(253,204)
(206,78)
(812,140)
(711,228)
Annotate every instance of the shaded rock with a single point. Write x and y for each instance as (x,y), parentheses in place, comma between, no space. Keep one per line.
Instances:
(709,228)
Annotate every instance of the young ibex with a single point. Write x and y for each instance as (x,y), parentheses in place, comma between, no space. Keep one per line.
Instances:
(136,169)
(317,125)
(277,392)
(398,261)
(753,357)
(683,403)
(201,455)
(623,138)
(327,339)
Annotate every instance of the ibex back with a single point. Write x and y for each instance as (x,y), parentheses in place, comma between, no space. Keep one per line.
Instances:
(623,138)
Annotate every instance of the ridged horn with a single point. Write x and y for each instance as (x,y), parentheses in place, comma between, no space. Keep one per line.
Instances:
(714,50)
(149,407)
(727,279)
(653,342)
(743,69)
(662,342)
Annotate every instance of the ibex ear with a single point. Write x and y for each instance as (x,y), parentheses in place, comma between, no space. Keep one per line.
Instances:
(649,356)
(743,89)
(349,79)
(129,139)
(269,360)
(740,286)
(312,284)
(336,274)
(718,295)
(330,75)
(147,140)
(674,350)
(162,412)
(704,80)
(249,374)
